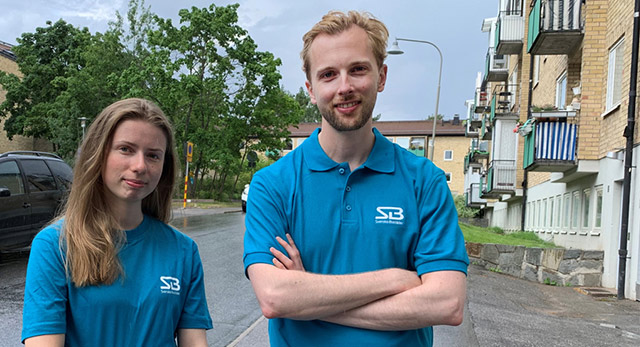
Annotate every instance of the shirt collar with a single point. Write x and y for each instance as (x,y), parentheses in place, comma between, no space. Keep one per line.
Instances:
(380,159)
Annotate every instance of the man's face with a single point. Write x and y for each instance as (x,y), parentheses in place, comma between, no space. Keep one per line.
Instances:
(345,78)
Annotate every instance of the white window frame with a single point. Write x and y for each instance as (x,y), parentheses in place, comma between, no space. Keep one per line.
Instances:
(561,91)
(536,70)
(586,208)
(450,151)
(598,205)
(552,217)
(614,76)
(449,176)
(558,212)
(567,211)
(575,210)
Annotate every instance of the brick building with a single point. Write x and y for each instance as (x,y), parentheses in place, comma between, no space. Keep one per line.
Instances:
(451,143)
(8,64)
(563,131)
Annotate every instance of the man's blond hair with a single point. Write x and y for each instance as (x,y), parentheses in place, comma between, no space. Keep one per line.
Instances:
(335,22)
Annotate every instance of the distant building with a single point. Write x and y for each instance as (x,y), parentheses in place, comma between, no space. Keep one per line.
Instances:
(8,64)
(451,143)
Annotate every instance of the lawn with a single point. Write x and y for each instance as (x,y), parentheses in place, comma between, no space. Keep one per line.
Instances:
(496,235)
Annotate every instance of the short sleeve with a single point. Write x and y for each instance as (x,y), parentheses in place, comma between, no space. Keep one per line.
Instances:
(46,291)
(265,219)
(441,243)
(195,312)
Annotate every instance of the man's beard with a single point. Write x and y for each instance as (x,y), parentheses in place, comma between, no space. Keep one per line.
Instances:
(347,123)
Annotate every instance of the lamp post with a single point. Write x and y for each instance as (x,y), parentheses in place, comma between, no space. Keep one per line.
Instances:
(395,49)
(83,124)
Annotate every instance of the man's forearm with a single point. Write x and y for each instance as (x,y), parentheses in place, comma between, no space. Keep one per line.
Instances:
(305,296)
(438,301)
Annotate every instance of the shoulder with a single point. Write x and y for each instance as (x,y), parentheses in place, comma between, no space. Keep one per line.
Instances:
(49,234)
(413,164)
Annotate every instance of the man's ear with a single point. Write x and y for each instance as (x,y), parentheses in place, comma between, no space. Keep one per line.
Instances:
(310,91)
(382,78)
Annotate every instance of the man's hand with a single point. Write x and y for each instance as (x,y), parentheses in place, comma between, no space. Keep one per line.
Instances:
(291,262)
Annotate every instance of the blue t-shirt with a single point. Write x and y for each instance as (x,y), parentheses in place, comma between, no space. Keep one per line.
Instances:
(162,291)
(395,211)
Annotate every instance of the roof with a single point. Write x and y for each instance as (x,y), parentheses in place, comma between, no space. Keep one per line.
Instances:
(5,50)
(395,128)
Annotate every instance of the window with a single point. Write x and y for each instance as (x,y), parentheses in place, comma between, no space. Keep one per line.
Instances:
(575,211)
(448,176)
(598,223)
(567,209)
(558,211)
(403,142)
(10,177)
(614,76)
(39,176)
(448,155)
(586,195)
(539,208)
(552,216)
(561,91)
(544,213)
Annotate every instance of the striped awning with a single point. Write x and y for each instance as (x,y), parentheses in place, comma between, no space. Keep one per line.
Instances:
(555,141)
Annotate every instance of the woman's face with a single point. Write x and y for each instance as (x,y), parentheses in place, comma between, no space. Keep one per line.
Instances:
(134,162)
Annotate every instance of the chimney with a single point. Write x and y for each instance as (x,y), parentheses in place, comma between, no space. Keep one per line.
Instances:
(456,119)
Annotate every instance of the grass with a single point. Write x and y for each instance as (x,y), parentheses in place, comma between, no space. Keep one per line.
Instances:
(496,235)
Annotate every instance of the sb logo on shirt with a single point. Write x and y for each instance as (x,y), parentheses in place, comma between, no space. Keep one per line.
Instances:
(171,285)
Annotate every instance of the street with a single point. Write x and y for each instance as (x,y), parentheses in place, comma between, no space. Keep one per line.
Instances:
(501,310)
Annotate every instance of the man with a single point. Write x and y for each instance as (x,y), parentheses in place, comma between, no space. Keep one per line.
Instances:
(374,225)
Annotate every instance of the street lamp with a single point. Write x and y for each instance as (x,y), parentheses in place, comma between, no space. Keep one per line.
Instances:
(395,49)
(83,124)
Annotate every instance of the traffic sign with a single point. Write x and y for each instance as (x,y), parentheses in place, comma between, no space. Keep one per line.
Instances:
(189,151)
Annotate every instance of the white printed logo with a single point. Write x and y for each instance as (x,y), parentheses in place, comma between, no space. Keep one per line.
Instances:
(390,215)
(171,285)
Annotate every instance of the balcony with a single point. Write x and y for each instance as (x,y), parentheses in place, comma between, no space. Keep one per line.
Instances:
(551,147)
(555,27)
(473,124)
(481,103)
(501,103)
(500,179)
(485,129)
(509,32)
(473,198)
(496,67)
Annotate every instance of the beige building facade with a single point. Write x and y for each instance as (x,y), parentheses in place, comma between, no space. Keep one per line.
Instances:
(569,132)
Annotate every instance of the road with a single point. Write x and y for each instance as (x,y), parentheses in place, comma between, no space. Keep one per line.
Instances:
(500,310)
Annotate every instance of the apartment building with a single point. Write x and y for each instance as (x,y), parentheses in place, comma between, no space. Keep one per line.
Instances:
(451,145)
(554,101)
(18,143)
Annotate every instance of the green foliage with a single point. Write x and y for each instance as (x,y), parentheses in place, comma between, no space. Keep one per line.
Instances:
(549,282)
(489,235)
(310,111)
(218,89)
(463,210)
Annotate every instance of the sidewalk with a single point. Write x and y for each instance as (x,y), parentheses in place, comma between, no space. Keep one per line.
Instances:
(505,311)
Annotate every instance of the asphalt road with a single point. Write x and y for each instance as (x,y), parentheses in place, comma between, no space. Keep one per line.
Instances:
(500,311)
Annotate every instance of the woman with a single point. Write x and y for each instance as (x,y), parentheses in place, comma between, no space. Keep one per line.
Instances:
(110,272)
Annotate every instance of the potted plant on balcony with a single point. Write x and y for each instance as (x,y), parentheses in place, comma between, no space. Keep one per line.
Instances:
(525,128)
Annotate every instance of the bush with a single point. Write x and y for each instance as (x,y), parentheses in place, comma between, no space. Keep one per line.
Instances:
(463,210)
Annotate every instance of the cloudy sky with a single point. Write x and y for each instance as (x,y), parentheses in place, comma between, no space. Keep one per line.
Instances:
(278,25)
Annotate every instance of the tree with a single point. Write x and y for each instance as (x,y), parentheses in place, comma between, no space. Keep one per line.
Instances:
(440,117)
(311,113)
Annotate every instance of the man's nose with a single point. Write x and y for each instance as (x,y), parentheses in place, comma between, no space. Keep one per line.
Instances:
(346,85)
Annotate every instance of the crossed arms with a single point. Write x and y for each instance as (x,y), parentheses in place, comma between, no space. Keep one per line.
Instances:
(388,299)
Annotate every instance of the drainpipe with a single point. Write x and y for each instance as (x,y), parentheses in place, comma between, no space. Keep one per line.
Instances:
(628,159)
(525,181)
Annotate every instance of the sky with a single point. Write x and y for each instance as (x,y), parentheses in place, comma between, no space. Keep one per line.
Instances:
(277,26)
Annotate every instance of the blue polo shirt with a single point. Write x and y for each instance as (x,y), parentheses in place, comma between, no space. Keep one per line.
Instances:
(396,210)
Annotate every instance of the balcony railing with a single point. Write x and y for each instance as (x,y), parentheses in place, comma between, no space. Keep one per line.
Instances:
(496,67)
(481,101)
(500,179)
(485,129)
(509,32)
(473,196)
(555,27)
(502,101)
(551,147)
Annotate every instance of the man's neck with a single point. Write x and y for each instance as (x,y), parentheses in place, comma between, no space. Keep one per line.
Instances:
(347,146)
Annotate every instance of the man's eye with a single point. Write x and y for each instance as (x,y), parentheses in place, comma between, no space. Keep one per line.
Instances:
(326,75)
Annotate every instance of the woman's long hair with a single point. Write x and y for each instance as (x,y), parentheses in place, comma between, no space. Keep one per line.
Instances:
(91,235)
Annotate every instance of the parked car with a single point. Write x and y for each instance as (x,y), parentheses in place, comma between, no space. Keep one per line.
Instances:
(32,188)
(244,196)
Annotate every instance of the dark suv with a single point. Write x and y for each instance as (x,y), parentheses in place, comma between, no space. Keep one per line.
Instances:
(32,187)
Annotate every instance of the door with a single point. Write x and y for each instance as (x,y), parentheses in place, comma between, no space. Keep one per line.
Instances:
(44,195)
(14,208)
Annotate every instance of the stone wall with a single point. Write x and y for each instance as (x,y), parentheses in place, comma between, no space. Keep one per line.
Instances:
(566,267)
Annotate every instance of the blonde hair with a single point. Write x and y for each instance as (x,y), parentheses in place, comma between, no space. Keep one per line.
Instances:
(90,234)
(335,22)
